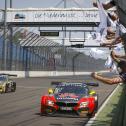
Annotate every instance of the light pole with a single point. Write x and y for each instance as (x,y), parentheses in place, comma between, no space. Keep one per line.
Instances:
(11,4)
(64,27)
(64,3)
(5,35)
(10,42)
(64,37)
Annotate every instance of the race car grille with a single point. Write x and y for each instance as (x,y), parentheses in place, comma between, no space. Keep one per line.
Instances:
(63,104)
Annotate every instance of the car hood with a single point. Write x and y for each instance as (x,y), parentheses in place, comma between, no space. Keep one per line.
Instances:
(62,97)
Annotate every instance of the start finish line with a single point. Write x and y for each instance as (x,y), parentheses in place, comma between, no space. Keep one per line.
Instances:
(34,16)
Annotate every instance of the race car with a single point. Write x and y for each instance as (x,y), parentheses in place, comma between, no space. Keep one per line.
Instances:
(6,84)
(68,96)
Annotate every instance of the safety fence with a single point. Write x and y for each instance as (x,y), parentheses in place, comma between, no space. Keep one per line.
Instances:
(23,53)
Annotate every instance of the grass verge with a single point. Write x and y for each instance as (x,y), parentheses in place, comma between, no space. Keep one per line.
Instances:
(105,117)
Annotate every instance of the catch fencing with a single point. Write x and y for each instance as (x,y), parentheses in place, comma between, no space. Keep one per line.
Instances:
(44,57)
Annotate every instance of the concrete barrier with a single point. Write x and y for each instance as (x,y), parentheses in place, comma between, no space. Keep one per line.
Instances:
(22,74)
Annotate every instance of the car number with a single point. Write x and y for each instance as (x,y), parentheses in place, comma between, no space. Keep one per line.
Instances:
(65,108)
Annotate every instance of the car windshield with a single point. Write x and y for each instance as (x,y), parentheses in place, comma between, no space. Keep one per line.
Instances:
(71,89)
(3,78)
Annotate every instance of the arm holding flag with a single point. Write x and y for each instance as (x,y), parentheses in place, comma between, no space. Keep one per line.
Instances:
(110,81)
(114,42)
(105,5)
(117,57)
(116,79)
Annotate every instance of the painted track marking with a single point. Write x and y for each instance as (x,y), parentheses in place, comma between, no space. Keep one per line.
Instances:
(90,122)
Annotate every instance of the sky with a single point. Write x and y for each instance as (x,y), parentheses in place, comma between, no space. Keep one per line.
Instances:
(47,3)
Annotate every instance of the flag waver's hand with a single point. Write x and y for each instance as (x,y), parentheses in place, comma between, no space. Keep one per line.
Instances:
(94,74)
(95,4)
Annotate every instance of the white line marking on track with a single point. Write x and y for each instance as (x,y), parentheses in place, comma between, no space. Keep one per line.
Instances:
(90,122)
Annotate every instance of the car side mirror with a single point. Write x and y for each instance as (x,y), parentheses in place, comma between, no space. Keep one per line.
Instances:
(50,91)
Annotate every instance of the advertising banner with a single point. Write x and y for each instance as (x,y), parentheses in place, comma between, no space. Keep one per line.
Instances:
(63,15)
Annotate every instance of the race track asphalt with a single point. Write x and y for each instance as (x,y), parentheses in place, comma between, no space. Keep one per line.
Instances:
(22,108)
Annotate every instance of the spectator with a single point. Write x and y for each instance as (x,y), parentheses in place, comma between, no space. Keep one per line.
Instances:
(115,56)
(117,40)
(121,8)
(112,31)
(119,36)
(116,79)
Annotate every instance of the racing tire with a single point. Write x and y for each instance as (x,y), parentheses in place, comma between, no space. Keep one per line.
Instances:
(82,113)
(42,114)
(91,115)
(6,89)
(42,111)
(14,87)
(50,111)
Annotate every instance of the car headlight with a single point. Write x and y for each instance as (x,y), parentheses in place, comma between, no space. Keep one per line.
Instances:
(96,98)
(84,104)
(49,102)
(1,86)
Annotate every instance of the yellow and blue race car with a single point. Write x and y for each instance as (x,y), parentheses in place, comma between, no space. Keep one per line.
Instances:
(6,84)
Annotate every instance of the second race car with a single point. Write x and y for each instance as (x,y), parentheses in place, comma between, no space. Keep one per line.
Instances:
(6,84)
(68,96)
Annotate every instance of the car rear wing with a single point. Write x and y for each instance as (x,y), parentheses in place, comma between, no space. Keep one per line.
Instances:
(55,83)
(14,75)
(95,84)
